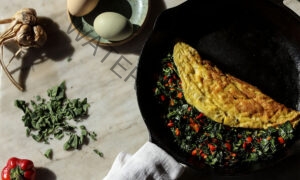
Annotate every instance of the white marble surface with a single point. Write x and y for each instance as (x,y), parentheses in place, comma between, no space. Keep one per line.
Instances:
(93,72)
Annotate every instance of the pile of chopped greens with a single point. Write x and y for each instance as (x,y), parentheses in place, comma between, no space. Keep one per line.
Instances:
(210,142)
(51,119)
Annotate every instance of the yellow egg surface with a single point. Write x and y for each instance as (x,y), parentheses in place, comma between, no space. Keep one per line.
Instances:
(225,98)
(112,26)
(81,7)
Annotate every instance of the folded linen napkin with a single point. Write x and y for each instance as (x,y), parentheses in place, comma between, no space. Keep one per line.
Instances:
(149,162)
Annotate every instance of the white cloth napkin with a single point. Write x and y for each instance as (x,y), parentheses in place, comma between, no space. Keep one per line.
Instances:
(149,162)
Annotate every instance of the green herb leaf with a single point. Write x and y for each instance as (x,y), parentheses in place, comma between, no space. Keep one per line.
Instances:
(21,104)
(67,146)
(49,153)
(93,135)
(99,153)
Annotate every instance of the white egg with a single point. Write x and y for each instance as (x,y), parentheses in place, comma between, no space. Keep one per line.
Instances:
(113,26)
(81,7)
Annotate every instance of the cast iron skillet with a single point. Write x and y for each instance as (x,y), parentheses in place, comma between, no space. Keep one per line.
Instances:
(257,41)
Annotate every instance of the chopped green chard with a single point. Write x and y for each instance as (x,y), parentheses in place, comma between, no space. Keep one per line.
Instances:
(210,142)
(45,120)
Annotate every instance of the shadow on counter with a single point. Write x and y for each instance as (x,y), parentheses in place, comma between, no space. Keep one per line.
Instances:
(45,174)
(57,47)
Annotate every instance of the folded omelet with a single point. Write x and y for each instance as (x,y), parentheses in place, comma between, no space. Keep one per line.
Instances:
(225,98)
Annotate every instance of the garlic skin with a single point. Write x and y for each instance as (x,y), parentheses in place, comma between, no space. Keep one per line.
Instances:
(81,7)
(113,26)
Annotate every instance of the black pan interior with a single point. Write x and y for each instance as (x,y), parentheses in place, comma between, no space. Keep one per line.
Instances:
(257,41)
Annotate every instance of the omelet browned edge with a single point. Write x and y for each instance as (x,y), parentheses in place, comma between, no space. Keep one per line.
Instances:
(224,98)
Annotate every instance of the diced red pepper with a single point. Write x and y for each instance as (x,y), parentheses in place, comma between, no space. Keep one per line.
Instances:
(258,140)
(245,145)
(191,120)
(233,154)
(162,97)
(177,132)
(227,146)
(172,102)
(180,95)
(170,123)
(280,140)
(200,116)
(248,139)
(194,152)
(247,142)
(212,147)
(203,155)
(174,76)
(170,65)
(195,127)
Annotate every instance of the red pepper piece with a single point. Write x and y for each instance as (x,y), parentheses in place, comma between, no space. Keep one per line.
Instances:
(180,95)
(281,140)
(212,147)
(203,155)
(245,145)
(194,152)
(177,132)
(248,139)
(200,116)
(18,169)
(170,123)
(162,97)
(227,146)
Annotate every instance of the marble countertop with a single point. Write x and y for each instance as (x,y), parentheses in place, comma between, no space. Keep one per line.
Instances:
(104,75)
